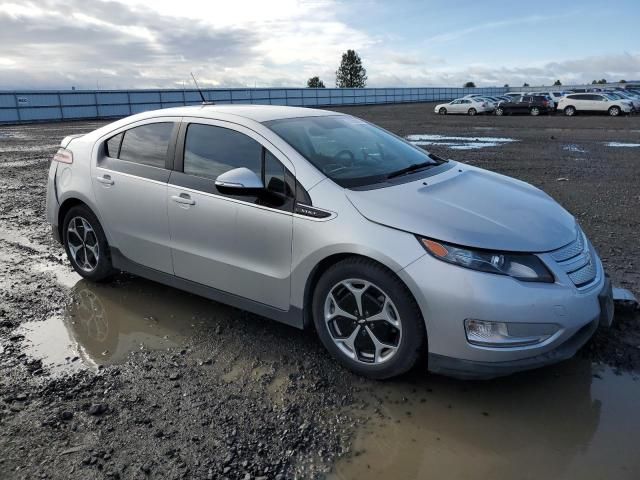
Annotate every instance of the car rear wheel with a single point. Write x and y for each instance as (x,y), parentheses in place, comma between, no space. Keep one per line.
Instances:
(86,244)
(442,111)
(614,111)
(535,111)
(499,111)
(569,111)
(367,319)
(472,111)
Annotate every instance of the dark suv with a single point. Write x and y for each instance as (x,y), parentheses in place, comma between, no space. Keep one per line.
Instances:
(528,104)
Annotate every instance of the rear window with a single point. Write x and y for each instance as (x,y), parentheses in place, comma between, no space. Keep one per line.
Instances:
(147,144)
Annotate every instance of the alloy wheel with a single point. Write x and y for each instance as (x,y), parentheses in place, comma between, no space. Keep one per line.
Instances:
(472,111)
(535,111)
(614,111)
(83,244)
(363,321)
(499,111)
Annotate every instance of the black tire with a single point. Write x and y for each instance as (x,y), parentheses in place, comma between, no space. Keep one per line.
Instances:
(103,268)
(472,112)
(442,111)
(413,340)
(499,111)
(535,111)
(569,111)
(614,111)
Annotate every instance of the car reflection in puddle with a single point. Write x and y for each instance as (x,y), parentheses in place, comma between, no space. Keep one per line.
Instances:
(107,321)
(573,420)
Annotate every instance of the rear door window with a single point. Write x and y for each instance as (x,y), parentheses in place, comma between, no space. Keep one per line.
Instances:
(147,144)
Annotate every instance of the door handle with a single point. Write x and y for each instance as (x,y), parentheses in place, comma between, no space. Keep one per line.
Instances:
(184,199)
(105,180)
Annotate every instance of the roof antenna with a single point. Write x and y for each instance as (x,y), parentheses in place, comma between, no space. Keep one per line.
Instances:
(204,101)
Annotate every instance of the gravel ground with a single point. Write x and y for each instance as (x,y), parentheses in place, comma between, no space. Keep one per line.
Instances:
(243,397)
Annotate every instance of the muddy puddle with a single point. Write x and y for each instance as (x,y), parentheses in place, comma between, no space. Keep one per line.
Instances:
(574,420)
(105,322)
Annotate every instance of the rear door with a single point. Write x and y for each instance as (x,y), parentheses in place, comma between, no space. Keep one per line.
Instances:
(523,105)
(130,185)
(581,102)
(237,244)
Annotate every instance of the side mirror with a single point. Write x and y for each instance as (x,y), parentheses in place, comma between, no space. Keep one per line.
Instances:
(239,181)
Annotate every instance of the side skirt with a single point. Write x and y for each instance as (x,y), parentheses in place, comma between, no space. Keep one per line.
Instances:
(292,317)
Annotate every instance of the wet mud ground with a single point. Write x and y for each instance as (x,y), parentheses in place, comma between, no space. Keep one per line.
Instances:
(132,379)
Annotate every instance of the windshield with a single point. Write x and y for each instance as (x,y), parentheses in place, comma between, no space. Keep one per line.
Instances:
(348,150)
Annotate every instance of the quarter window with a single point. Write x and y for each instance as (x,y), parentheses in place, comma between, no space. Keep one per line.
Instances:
(113,145)
(146,145)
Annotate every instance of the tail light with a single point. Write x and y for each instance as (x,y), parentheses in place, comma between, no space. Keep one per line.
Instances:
(63,156)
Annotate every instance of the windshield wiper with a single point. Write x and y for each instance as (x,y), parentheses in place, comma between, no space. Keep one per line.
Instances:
(410,169)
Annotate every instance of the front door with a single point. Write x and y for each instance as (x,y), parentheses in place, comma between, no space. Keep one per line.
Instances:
(130,184)
(237,244)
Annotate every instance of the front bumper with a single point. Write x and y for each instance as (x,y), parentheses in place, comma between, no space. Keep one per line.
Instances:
(477,370)
(448,294)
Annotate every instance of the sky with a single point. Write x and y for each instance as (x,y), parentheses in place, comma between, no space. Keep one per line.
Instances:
(57,44)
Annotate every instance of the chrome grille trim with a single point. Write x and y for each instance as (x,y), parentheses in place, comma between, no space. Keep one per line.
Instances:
(576,260)
(571,250)
(584,276)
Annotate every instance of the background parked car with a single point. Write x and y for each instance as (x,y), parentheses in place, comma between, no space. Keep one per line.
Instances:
(468,106)
(526,104)
(513,95)
(593,102)
(546,95)
(620,95)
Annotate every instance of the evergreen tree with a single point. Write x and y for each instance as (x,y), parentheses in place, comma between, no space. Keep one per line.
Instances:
(351,73)
(315,82)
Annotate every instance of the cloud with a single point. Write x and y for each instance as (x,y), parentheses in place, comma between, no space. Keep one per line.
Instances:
(57,44)
(157,43)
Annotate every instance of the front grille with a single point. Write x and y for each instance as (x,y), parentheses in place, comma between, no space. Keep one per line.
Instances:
(576,260)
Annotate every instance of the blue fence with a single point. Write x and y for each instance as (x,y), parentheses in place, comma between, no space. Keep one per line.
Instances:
(34,106)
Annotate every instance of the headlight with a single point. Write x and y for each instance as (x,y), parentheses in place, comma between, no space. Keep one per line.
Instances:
(523,266)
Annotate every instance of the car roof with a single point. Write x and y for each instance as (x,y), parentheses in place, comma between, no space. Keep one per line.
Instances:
(257,113)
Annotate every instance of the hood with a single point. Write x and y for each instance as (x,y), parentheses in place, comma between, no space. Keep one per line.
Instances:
(474,208)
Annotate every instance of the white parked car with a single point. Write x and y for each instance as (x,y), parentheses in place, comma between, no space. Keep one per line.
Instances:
(634,99)
(468,106)
(593,102)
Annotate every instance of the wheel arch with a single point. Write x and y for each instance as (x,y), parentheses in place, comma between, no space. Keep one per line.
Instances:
(322,266)
(74,201)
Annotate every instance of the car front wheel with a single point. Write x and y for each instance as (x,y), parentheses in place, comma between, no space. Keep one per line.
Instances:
(86,244)
(472,111)
(569,111)
(442,111)
(499,111)
(614,111)
(367,319)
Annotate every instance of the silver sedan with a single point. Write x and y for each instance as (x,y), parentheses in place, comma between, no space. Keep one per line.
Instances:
(322,220)
(466,106)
